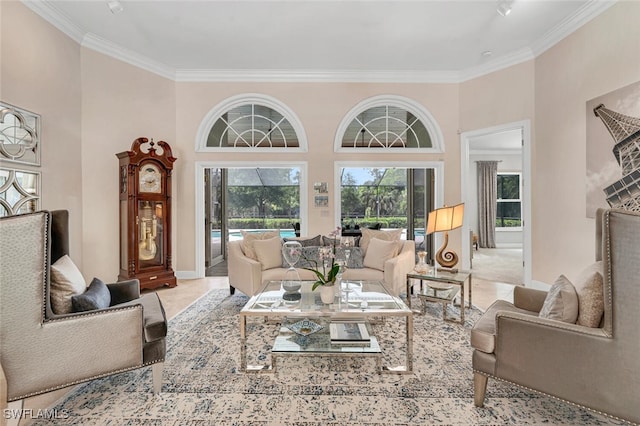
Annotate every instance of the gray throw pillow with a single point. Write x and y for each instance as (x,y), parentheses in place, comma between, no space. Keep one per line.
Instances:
(307,242)
(96,296)
(561,302)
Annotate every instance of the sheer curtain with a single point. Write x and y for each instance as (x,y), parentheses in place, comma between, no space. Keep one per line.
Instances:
(487,199)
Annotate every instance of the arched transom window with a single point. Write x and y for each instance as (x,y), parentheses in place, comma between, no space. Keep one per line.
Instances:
(253,122)
(389,123)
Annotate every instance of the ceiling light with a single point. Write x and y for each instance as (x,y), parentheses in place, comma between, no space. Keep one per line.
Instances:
(115,6)
(504,7)
(487,53)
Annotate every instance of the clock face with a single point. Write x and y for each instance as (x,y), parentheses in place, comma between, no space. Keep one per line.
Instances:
(150,179)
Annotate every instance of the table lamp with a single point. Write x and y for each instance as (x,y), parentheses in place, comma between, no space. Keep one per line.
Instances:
(444,220)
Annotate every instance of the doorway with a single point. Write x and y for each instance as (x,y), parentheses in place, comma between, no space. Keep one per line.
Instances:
(509,146)
(215,217)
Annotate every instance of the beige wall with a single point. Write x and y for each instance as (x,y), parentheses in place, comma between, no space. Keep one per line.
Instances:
(94,106)
(120,103)
(40,71)
(320,107)
(600,57)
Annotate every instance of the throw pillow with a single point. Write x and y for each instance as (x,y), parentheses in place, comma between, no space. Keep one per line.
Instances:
(269,252)
(355,258)
(561,302)
(369,234)
(589,286)
(307,242)
(248,239)
(66,282)
(97,296)
(378,252)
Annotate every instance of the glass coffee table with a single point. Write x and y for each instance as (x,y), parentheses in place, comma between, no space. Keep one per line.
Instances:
(304,323)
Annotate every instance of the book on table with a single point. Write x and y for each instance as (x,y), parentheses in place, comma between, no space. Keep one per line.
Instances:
(349,333)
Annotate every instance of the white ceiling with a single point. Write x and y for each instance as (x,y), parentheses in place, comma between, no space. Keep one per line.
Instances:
(320,40)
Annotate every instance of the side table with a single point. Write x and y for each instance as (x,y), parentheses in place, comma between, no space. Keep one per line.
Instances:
(456,278)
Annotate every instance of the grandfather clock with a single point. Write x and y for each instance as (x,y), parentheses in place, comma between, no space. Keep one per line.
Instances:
(145,213)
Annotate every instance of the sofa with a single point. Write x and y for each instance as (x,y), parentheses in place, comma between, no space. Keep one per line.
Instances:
(249,271)
(578,342)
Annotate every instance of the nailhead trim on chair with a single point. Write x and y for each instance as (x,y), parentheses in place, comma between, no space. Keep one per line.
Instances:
(554,397)
(76,382)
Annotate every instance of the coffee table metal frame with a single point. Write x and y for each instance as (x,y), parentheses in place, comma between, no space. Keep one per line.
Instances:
(267,304)
(455,278)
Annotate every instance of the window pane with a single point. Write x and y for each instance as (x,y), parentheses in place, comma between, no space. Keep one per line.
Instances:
(509,187)
(508,214)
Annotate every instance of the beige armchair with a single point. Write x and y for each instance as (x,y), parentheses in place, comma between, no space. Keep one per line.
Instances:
(593,367)
(41,351)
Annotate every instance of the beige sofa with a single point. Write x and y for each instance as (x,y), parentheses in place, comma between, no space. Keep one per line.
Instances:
(593,365)
(247,275)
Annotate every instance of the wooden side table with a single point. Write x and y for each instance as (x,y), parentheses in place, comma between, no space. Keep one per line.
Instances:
(441,277)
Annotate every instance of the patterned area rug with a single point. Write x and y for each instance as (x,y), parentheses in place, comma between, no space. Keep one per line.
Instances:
(202,385)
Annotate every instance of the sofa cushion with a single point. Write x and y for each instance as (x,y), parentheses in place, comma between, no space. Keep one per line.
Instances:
(269,252)
(378,252)
(561,302)
(97,296)
(307,242)
(369,234)
(66,282)
(589,286)
(248,239)
(483,333)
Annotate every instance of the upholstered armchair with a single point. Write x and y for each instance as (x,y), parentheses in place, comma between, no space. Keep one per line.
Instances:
(40,350)
(596,366)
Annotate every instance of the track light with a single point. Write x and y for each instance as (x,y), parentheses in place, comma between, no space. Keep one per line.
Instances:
(504,7)
(115,6)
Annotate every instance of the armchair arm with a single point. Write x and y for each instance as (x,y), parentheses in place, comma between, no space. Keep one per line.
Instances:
(245,274)
(396,269)
(528,298)
(73,348)
(560,359)
(124,291)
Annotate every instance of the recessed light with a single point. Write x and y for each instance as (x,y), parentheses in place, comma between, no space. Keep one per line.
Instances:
(504,7)
(487,53)
(115,6)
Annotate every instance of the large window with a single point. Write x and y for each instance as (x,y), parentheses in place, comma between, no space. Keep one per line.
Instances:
(509,208)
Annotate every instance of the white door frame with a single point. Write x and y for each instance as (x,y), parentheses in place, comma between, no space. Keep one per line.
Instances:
(466,139)
(199,195)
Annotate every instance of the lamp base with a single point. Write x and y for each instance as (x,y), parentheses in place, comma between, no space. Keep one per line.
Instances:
(447,259)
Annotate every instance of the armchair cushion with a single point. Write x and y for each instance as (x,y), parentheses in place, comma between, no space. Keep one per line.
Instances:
(268,252)
(378,252)
(66,282)
(248,239)
(483,333)
(124,291)
(370,234)
(97,296)
(561,302)
(590,296)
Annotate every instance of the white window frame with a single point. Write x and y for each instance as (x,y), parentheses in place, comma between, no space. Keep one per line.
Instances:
(418,110)
(249,98)
(510,200)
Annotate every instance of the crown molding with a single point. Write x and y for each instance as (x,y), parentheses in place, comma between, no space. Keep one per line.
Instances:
(49,13)
(108,48)
(569,25)
(318,76)
(497,64)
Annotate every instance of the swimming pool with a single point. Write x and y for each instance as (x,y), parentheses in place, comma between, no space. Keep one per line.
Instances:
(235,234)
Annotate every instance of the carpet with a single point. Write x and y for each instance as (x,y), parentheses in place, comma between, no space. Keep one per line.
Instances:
(201,384)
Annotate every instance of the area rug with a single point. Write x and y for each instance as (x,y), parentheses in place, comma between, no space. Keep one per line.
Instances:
(202,384)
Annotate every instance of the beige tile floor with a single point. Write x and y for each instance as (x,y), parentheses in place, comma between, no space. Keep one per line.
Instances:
(178,298)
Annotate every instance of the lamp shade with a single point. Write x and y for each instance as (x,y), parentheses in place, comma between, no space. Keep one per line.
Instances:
(445,218)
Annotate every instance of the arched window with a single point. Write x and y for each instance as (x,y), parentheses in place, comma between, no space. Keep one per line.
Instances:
(251,123)
(389,123)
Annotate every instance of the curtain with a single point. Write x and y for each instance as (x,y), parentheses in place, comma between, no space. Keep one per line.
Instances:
(487,202)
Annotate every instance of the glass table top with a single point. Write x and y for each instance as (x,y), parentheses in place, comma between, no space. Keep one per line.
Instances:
(356,297)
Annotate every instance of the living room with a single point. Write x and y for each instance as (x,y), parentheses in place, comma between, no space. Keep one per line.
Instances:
(93,105)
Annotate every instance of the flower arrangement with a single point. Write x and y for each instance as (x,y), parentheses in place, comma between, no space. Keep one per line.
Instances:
(327,257)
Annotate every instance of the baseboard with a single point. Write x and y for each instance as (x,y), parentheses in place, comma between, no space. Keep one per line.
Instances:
(187,275)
